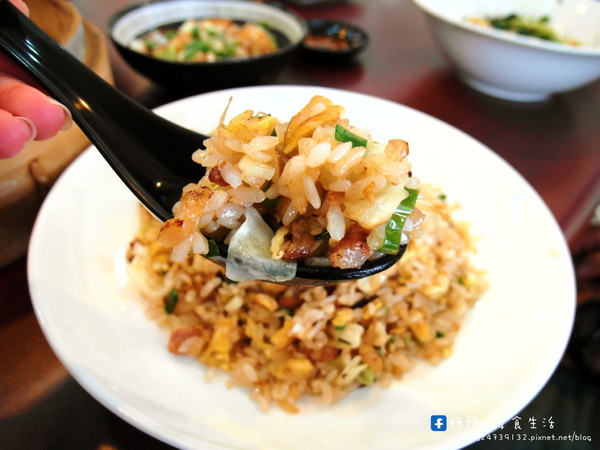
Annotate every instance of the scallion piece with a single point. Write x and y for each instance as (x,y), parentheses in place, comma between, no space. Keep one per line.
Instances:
(269,202)
(343,135)
(288,310)
(322,235)
(394,226)
(193,48)
(265,187)
(213,248)
(366,376)
(172,298)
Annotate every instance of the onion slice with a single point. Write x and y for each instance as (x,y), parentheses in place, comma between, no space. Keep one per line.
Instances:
(249,254)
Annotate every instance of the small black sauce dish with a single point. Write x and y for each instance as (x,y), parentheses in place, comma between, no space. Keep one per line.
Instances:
(333,41)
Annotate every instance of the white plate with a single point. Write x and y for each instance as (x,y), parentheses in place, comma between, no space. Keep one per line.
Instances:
(508,348)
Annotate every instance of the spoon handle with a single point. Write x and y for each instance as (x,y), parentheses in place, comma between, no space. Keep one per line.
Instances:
(123,131)
(150,154)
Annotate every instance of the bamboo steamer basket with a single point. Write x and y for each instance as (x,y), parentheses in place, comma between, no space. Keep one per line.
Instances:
(26,178)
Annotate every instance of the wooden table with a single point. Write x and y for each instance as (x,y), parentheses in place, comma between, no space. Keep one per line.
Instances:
(554,145)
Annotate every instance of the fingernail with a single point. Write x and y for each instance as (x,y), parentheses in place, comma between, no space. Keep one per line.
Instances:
(30,125)
(68,117)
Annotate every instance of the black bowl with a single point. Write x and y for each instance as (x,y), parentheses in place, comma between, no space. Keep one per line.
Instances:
(136,20)
(332,40)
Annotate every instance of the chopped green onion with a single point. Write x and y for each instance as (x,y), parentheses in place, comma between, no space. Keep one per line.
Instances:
(343,135)
(193,48)
(339,327)
(322,235)
(172,298)
(213,248)
(170,34)
(394,226)
(366,376)
(288,310)
(265,187)
(439,334)
(526,26)
(227,52)
(167,53)
(270,202)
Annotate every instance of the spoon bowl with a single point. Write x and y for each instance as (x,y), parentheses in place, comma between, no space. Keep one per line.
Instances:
(151,155)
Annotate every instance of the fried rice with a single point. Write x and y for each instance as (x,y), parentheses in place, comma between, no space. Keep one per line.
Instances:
(285,343)
(316,190)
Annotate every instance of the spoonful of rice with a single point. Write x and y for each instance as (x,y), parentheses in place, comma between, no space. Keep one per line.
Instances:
(314,200)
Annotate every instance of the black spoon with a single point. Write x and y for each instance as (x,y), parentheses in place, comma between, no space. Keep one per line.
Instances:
(150,154)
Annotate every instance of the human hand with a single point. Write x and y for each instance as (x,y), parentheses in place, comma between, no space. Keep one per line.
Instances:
(26,113)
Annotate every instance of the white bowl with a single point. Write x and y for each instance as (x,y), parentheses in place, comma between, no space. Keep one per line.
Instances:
(511,66)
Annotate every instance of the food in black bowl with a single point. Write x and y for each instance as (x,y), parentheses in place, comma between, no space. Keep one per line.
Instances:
(332,40)
(199,45)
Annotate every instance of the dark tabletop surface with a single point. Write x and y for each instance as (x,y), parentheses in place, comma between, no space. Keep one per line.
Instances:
(555,145)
